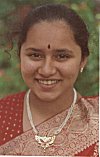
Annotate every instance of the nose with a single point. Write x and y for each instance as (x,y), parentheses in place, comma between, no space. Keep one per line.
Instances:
(47,68)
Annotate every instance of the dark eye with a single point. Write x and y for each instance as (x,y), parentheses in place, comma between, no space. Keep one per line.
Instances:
(36,56)
(62,56)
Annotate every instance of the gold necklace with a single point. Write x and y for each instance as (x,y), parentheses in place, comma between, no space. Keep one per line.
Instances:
(47,141)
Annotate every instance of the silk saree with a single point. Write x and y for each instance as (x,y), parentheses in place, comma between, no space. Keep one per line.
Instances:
(79,137)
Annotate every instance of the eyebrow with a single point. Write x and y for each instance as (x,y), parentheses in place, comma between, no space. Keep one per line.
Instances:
(34,49)
(55,50)
(63,50)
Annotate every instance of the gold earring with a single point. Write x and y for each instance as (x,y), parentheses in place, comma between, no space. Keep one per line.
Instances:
(81,70)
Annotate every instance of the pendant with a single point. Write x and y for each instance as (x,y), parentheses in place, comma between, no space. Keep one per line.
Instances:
(45,141)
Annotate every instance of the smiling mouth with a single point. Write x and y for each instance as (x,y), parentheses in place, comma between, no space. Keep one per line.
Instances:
(48,82)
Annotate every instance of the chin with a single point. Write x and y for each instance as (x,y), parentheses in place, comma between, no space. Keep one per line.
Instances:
(47,98)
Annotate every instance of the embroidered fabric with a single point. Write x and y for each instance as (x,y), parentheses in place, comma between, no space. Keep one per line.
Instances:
(11,117)
(80,133)
(96,150)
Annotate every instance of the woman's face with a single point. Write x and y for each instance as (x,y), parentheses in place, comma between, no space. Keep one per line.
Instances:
(50,60)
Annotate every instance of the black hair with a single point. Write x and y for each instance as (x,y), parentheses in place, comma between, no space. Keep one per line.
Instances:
(51,12)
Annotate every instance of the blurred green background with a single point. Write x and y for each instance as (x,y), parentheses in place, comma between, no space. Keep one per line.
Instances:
(11,14)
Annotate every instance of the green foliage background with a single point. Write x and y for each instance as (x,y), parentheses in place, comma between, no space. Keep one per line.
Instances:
(10,77)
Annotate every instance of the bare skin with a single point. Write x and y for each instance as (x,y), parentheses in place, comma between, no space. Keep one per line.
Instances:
(50,53)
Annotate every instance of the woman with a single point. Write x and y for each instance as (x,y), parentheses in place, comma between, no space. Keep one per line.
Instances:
(52,118)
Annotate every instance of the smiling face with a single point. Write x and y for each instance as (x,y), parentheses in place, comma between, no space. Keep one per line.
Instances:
(50,60)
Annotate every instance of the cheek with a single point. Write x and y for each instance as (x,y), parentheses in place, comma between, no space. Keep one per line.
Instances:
(70,70)
(27,68)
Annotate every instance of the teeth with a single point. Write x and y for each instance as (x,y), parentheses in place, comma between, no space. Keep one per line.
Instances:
(48,82)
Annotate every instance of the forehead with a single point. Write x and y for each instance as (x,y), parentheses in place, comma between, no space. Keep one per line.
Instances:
(51,30)
(54,33)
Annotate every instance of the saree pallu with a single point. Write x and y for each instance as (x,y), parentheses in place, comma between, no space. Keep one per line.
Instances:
(79,137)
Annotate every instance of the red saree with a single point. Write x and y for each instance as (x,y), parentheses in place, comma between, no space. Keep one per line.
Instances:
(78,138)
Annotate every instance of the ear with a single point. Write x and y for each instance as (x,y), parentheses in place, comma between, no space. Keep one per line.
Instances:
(83,63)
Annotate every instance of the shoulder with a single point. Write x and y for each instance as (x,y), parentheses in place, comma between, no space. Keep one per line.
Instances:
(11,103)
(93,99)
(92,104)
(88,108)
(11,100)
(13,96)
(11,111)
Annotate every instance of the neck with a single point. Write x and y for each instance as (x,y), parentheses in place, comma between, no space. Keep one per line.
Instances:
(46,109)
